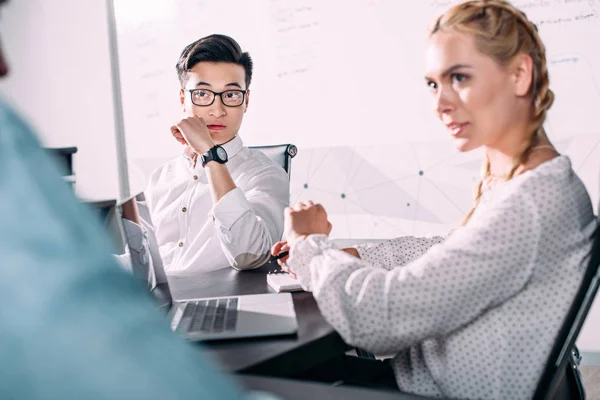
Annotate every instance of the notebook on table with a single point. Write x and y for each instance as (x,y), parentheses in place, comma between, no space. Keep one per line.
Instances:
(283,282)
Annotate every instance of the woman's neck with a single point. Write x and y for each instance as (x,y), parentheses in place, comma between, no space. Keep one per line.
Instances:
(502,162)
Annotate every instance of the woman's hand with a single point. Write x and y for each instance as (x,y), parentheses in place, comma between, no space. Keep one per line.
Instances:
(278,248)
(305,218)
(352,251)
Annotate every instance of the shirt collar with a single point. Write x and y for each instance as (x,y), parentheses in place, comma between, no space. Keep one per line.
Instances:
(234,146)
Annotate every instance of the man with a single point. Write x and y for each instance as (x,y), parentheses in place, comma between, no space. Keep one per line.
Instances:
(219,204)
(72,324)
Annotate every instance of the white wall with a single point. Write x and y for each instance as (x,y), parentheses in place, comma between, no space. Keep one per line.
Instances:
(381,169)
(60,81)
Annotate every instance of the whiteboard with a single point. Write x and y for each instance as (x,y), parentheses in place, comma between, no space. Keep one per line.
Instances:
(380,169)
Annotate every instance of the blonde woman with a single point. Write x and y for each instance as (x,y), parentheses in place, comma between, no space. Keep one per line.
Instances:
(473,315)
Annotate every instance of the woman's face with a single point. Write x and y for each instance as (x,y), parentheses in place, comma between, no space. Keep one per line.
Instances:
(472,94)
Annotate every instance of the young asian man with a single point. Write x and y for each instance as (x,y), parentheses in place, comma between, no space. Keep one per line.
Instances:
(219,203)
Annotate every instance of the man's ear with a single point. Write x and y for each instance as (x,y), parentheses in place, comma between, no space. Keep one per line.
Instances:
(247,100)
(522,74)
(182,99)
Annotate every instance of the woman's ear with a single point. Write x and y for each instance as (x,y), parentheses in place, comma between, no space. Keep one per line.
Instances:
(522,74)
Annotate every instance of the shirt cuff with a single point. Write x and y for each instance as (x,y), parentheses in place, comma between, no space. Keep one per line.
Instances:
(366,252)
(303,253)
(136,235)
(229,209)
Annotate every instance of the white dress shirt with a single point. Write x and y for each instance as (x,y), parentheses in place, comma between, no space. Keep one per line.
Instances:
(473,316)
(191,234)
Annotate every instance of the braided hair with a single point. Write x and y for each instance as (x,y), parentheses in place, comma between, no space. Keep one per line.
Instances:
(502,32)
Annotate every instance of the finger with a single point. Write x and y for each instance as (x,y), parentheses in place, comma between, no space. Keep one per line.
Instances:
(288,211)
(177,134)
(182,124)
(286,247)
(309,203)
(320,209)
(199,122)
(179,137)
(278,248)
(282,261)
(329,228)
(285,268)
(299,206)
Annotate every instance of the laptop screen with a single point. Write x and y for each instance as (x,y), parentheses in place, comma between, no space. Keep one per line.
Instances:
(111,216)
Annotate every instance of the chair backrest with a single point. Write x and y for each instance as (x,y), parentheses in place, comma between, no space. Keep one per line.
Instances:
(64,155)
(565,342)
(282,154)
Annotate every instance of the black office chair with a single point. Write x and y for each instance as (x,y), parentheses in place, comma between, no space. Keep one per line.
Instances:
(282,154)
(561,378)
(64,157)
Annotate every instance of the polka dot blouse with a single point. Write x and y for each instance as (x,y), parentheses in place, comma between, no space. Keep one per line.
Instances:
(473,315)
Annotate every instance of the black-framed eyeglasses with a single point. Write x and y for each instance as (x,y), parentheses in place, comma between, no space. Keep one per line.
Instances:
(229,98)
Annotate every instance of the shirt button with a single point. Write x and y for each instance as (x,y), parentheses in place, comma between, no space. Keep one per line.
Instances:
(184,209)
(180,244)
(195,177)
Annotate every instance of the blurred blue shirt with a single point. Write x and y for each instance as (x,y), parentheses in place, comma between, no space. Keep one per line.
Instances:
(73,325)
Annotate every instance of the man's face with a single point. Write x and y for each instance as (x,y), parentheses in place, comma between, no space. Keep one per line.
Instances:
(223,121)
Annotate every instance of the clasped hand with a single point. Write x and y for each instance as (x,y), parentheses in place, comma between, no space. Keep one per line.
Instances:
(192,131)
(300,221)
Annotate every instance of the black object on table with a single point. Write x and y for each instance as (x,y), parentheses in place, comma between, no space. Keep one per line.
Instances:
(298,390)
(64,155)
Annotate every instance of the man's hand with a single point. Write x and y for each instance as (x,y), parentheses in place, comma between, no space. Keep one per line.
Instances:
(192,131)
(305,219)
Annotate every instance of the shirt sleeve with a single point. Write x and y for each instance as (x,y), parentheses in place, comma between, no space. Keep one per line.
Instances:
(396,252)
(137,252)
(142,256)
(478,267)
(248,222)
(150,242)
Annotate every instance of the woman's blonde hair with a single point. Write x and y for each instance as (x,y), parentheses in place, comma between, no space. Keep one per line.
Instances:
(502,32)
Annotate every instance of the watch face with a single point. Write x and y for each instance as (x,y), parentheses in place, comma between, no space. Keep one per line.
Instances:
(221,153)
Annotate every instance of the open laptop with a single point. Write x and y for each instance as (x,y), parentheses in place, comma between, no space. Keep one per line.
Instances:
(215,318)
(230,317)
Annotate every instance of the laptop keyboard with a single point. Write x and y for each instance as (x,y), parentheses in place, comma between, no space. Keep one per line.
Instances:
(211,316)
